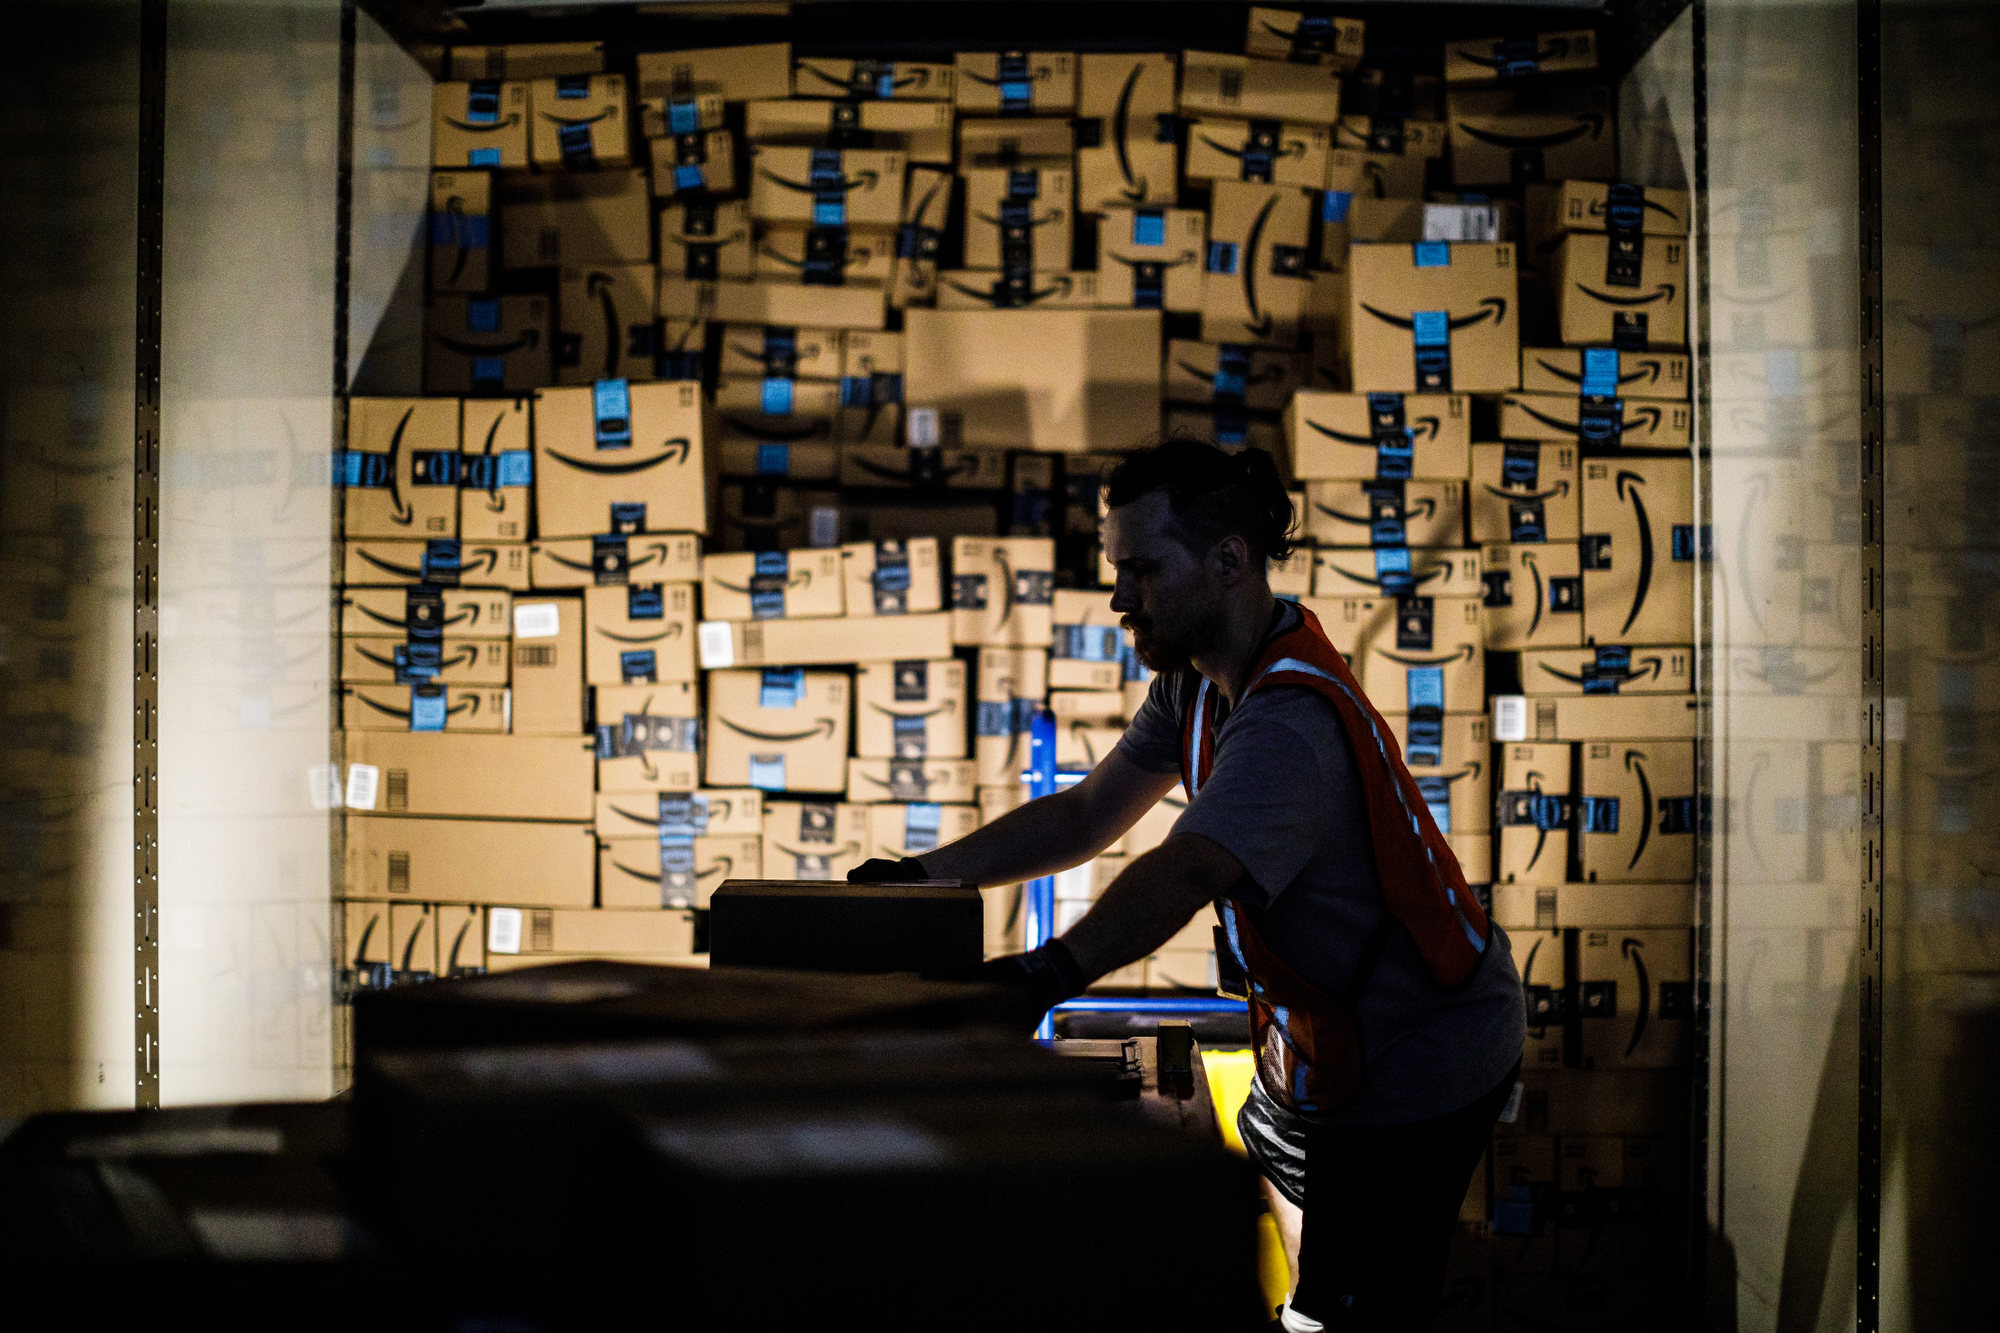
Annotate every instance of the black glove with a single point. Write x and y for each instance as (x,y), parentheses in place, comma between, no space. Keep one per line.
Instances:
(881,870)
(1043,977)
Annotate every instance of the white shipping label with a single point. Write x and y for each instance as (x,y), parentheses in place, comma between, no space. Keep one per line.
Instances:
(922,425)
(362,780)
(537,620)
(825,527)
(1510,717)
(503,930)
(718,645)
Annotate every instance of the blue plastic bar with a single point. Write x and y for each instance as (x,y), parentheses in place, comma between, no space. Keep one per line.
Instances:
(1164,1005)
(1041,780)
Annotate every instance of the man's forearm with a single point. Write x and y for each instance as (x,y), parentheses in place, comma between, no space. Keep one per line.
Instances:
(1039,838)
(1140,911)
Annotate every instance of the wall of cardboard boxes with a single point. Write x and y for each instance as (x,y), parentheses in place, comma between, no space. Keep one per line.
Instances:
(751,509)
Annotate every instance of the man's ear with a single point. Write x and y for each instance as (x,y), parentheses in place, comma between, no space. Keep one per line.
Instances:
(1231,558)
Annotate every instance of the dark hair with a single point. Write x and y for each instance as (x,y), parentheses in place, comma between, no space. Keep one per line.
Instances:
(1211,492)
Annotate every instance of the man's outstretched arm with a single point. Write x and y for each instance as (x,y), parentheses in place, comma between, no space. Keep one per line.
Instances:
(1149,902)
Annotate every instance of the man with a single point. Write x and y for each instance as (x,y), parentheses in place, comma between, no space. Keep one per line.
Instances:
(1387,1012)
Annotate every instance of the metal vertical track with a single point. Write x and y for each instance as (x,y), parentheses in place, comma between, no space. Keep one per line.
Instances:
(1704,679)
(146,561)
(342,1032)
(1868,1176)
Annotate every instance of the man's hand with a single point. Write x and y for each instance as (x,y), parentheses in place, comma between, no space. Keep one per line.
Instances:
(1043,978)
(881,870)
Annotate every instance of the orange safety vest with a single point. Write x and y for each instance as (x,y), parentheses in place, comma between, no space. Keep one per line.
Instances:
(1309,1054)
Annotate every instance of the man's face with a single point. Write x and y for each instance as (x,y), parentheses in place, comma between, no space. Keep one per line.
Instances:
(1166,595)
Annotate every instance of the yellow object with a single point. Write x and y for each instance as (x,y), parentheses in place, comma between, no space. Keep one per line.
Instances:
(1229,1075)
(1274,1270)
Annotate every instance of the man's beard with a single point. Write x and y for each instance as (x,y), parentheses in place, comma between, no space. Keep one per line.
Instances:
(1158,654)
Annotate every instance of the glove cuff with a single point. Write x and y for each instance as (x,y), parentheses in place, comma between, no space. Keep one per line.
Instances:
(1063,968)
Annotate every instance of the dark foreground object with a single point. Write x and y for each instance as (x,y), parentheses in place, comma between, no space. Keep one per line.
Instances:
(885,1159)
(929,926)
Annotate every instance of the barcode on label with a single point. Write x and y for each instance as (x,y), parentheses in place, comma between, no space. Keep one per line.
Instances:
(503,930)
(1510,717)
(536,620)
(535,655)
(399,872)
(718,644)
(1461,222)
(923,428)
(362,780)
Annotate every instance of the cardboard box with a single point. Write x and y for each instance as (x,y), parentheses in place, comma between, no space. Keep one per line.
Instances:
(461,940)
(1600,906)
(1598,422)
(580,122)
(1434,316)
(1612,669)
(898,830)
(1604,207)
(420,706)
(680,349)
(1525,491)
(399,473)
(674,870)
(1497,59)
(941,780)
(855,187)
(711,812)
(1365,436)
(765,515)
(705,239)
(1018,83)
(1424,652)
(1509,136)
(921,131)
(496,472)
(1595,717)
(742,585)
(1391,135)
(1103,707)
(778,410)
(1451,759)
(639,633)
(814,839)
(1061,381)
(484,613)
(462,230)
(1638,550)
(1635,995)
(1125,131)
(441,561)
(752,353)
(486,345)
(588,933)
(780,729)
(828,255)
(387,660)
(1365,175)
(1636,812)
(878,80)
(620,458)
(1538,957)
(548,666)
(893,577)
(1151,258)
(1386,513)
(479,124)
(525,60)
(1534,596)
(1266,152)
(1260,379)
(920,237)
(1391,571)
(1534,812)
(1625,290)
(727,73)
(1255,282)
(609,560)
(534,863)
(1089,646)
(1010,684)
(699,162)
(605,324)
(780,303)
(1002,591)
(911,710)
(1015,142)
(489,777)
(1213,84)
(1304,39)
(648,737)
(576,219)
(992,289)
(1080,744)
(823,641)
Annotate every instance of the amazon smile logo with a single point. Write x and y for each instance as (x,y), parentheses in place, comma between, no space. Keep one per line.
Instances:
(918,77)
(672,631)
(1591,125)
(468,705)
(1426,427)
(467,655)
(825,727)
(1664,292)
(654,551)
(1464,652)
(674,450)
(525,339)
(491,127)
(1556,48)
(787,433)
(866,179)
(1060,285)
(1644,668)
(1647,417)
(1422,507)
(569,122)
(1492,307)
(1121,115)
(1630,488)
(948,706)
(801,578)
(1649,371)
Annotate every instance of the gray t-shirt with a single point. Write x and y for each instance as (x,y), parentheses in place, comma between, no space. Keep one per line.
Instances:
(1285,799)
